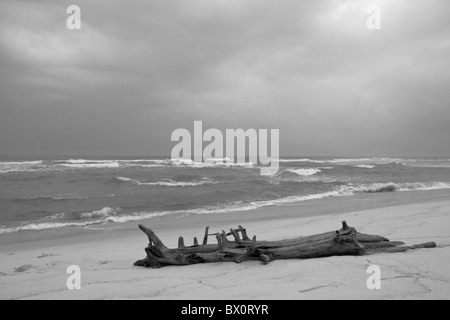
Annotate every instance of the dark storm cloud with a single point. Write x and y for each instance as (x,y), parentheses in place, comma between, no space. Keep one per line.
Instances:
(137,71)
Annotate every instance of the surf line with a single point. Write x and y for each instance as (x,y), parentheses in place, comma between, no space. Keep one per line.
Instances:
(236,141)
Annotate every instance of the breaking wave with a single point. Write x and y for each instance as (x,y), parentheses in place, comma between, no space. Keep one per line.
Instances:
(391,187)
(20,166)
(365,166)
(81,161)
(103,216)
(110,215)
(347,161)
(211,163)
(305,172)
(11,167)
(97,165)
(29,163)
(74,215)
(301,160)
(168,182)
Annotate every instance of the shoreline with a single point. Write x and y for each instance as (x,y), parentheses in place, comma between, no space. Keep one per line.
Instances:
(311,208)
(29,270)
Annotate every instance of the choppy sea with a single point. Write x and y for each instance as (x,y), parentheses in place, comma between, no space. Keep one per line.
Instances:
(43,193)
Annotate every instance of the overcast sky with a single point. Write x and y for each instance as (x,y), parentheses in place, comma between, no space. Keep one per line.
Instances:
(138,70)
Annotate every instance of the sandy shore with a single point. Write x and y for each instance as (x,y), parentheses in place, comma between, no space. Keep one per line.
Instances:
(37,271)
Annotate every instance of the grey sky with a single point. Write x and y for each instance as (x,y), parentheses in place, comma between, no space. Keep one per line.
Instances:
(138,70)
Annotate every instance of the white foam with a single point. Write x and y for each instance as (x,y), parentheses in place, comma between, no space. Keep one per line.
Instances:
(105,212)
(96,165)
(296,199)
(81,161)
(102,213)
(345,161)
(146,160)
(305,172)
(167,182)
(27,163)
(220,160)
(21,166)
(46,225)
(351,160)
(301,160)
(138,216)
(365,166)
(108,215)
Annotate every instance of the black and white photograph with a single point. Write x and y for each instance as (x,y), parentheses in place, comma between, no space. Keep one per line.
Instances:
(224,154)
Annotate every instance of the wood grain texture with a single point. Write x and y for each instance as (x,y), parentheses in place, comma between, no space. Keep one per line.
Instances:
(345,241)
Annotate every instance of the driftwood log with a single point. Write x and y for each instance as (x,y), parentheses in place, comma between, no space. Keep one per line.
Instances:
(346,241)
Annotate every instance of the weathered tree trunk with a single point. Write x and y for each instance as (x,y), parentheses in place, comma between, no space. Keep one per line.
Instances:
(346,241)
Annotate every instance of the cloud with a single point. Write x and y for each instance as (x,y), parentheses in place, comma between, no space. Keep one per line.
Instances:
(135,72)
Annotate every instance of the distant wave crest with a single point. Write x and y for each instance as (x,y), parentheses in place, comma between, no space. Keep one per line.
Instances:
(168,182)
(305,172)
(365,166)
(12,167)
(99,165)
(20,166)
(50,198)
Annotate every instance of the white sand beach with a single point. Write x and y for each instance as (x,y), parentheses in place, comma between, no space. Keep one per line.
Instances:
(31,271)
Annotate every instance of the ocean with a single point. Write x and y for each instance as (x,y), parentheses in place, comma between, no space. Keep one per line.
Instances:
(39,193)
